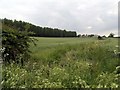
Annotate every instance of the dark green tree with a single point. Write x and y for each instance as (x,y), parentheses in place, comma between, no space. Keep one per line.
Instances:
(39,31)
(111,35)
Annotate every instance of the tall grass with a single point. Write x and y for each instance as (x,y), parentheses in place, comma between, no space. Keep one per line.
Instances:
(66,63)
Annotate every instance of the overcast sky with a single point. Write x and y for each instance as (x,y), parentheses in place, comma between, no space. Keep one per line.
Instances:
(82,16)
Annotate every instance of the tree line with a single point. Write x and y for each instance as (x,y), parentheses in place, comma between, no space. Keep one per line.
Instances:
(111,35)
(37,30)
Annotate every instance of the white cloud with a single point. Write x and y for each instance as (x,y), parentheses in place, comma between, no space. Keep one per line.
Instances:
(89,27)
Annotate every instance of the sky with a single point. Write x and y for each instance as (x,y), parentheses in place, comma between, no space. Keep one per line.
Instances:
(83,16)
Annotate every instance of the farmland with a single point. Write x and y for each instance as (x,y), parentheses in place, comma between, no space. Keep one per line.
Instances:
(66,63)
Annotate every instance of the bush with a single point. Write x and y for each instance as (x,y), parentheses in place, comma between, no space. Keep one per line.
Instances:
(100,38)
(111,35)
(15,44)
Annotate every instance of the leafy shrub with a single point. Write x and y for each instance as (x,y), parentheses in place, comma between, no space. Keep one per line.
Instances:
(15,44)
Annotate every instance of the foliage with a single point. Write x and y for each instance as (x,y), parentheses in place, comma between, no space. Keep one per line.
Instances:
(76,63)
(15,44)
(107,80)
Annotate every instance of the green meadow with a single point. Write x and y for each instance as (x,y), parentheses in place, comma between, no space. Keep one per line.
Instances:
(67,63)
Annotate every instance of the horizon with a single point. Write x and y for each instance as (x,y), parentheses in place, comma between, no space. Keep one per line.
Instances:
(63,29)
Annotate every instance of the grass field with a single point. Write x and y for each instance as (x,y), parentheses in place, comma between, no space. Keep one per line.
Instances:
(67,63)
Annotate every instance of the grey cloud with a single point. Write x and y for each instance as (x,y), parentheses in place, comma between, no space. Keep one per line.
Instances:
(65,14)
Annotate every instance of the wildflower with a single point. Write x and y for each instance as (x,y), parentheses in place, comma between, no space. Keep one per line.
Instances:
(2,49)
(116,46)
(7,54)
(117,67)
(115,52)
